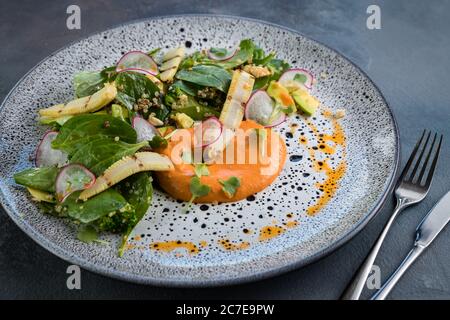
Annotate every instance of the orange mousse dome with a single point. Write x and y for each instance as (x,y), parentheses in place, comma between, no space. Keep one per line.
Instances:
(255,175)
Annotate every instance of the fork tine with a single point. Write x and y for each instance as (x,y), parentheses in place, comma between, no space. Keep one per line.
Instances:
(411,158)
(425,164)
(433,164)
(413,173)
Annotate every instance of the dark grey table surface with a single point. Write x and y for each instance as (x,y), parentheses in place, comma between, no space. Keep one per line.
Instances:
(408,58)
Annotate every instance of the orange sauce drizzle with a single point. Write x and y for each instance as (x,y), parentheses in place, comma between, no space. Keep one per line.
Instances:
(334,175)
(168,246)
(270,232)
(229,246)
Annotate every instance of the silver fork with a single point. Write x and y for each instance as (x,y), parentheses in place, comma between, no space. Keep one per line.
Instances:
(412,187)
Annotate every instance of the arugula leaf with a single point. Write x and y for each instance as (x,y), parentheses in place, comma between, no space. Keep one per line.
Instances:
(107,202)
(138,191)
(97,155)
(206,75)
(87,233)
(38,178)
(201,169)
(230,186)
(158,142)
(82,129)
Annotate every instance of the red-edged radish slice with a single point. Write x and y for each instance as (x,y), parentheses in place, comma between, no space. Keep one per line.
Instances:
(45,155)
(303,76)
(218,57)
(207,132)
(145,131)
(261,108)
(73,177)
(137,61)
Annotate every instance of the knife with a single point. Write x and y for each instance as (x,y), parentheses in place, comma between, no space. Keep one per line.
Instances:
(426,232)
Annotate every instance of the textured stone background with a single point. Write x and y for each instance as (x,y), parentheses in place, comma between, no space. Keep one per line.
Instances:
(408,59)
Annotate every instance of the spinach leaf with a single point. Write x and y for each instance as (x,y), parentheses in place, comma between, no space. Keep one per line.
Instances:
(108,202)
(87,83)
(138,191)
(82,129)
(132,87)
(206,75)
(38,178)
(194,109)
(99,154)
(187,87)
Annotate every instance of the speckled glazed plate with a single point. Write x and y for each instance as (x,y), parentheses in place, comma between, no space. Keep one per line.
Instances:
(336,178)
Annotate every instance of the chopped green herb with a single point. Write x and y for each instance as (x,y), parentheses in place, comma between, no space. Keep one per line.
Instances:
(201,169)
(230,186)
(197,189)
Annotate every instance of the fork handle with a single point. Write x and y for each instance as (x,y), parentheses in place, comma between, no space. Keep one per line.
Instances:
(354,290)
(393,279)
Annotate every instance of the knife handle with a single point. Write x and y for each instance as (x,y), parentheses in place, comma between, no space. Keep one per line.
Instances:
(393,279)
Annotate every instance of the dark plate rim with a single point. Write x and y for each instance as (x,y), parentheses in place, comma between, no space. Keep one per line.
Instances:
(124,276)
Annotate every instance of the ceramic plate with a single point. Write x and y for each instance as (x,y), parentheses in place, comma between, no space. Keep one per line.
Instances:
(335,179)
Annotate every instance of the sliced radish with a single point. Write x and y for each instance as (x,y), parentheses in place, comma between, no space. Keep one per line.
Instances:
(45,155)
(207,132)
(145,131)
(261,108)
(137,61)
(304,77)
(73,177)
(221,57)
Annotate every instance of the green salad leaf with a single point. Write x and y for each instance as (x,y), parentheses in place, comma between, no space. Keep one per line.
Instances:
(87,83)
(133,88)
(242,56)
(277,67)
(138,191)
(108,202)
(158,142)
(87,233)
(38,178)
(97,155)
(81,129)
(207,76)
